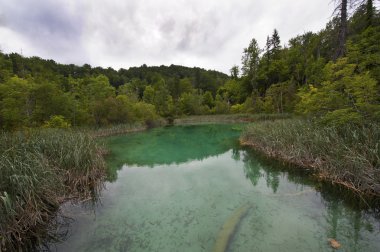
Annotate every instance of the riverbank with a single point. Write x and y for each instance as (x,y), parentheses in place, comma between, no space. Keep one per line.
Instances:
(349,155)
(228,118)
(41,169)
(121,129)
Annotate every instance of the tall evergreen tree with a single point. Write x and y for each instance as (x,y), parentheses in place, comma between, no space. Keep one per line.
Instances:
(370,12)
(275,42)
(234,72)
(250,58)
(343,28)
(268,49)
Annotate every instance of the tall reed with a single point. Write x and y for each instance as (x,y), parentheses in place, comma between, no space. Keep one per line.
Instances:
(40,169)
(348,155)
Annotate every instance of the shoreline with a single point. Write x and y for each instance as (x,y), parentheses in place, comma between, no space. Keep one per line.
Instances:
(312,165)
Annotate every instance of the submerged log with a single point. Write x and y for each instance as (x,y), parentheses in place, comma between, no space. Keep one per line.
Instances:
(228,230)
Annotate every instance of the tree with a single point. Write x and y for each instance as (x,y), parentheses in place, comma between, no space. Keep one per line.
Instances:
(275,43)
(250,59)
(160,97)
(234,72)
(221,105)
(208,100)
(370,12)
(342,36)
(15,103)
(280,97)
(5,67)
(344,96)
(192,104)
(250,64)
(268,50)
(233,91)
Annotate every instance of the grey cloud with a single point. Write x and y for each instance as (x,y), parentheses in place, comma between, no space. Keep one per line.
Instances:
(42,18)
(167,26)
(124,33)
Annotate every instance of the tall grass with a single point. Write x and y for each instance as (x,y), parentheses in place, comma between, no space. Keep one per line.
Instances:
(228,118)
(39,170)
(119,129)
(348,155)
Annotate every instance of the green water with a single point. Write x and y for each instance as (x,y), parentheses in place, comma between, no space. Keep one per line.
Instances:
(172,189)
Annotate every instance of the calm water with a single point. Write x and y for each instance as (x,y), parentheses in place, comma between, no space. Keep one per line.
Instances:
(173,189)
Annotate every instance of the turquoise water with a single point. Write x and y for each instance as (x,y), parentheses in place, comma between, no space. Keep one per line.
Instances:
(173,189)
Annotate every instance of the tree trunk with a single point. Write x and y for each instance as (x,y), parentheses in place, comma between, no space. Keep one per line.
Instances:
(370,12)
(342,30)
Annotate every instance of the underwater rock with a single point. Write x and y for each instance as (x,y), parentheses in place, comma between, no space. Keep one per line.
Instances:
(334,243)
(229,228)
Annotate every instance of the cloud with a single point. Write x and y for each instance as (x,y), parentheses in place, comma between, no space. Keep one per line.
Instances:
(125,33)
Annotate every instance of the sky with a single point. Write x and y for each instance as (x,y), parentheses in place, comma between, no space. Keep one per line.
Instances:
(123,33)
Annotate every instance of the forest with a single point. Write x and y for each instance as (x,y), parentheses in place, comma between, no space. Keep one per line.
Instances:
(335,78)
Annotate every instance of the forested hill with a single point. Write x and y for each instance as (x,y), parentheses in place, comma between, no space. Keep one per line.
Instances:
(35,66)
(333,75)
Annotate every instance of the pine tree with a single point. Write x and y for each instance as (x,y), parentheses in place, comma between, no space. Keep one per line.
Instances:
(343,28)
(275,41)
(370,13)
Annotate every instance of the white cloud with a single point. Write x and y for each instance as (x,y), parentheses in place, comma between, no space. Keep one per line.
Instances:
(125,33)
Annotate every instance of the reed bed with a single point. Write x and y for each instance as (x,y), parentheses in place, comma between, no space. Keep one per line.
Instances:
(228,118)
(347,155)
(126,128)
(39,170)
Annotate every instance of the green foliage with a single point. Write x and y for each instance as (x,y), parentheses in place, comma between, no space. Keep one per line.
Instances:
(233,91)
(221,105)
(192,104)
(254,104)
(145,112)
(364,51)
(345,95)
(208,100)
(32,90)
(159,96)
(237,109)
(57,121)
(250,59)
(15,103)
(280,98)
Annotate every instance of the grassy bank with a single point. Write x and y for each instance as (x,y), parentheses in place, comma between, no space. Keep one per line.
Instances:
(348,155)
(228,118)
(40,169)
(120,129)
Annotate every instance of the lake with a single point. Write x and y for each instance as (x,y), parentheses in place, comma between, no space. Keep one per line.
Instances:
(193,188)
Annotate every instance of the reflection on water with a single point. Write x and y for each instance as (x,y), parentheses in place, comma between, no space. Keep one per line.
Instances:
(171,145)
(174,189)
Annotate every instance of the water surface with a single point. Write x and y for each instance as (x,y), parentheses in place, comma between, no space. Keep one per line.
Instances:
(172,189)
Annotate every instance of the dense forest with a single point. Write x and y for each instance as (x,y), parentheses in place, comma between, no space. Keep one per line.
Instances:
(333,74)
(35,92)
(316,74)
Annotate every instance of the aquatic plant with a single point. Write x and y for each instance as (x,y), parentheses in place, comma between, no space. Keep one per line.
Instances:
(348,155)
(40,169)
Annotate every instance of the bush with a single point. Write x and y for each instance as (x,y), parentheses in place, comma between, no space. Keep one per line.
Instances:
(57,121)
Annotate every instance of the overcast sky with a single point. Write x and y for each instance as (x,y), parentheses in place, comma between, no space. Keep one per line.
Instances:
(124,33)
